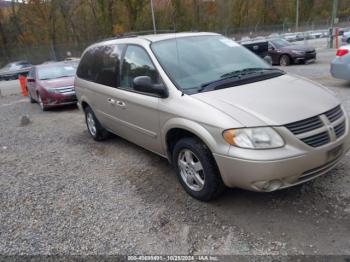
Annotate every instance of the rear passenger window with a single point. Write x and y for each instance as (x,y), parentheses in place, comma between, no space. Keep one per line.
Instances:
(101,65)
(137,63)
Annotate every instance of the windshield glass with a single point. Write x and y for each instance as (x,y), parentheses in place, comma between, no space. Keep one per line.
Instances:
(280,43)
(194,61)
(52,72)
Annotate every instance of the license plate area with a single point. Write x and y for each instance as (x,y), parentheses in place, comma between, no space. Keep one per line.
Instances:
(334,153)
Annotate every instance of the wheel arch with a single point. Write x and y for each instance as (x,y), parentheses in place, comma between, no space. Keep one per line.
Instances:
(176,129)
(84,105)
(285,54)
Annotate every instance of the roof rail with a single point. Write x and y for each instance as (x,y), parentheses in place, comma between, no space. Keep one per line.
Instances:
(150,32)
(136,34)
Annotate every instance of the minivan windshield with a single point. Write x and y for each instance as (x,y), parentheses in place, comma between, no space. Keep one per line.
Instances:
(195,62)
(56,71)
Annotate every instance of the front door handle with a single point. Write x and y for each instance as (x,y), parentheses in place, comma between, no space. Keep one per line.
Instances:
(111,101)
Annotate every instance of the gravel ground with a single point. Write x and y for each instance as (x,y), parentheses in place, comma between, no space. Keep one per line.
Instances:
(63,193)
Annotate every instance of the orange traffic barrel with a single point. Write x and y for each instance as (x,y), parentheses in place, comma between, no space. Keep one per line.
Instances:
(23,83)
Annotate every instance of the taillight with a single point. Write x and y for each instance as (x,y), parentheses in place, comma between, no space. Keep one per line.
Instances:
(342,52)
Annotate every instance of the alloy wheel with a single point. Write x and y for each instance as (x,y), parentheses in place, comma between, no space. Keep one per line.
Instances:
(191,170)
(91,123)
(284,60)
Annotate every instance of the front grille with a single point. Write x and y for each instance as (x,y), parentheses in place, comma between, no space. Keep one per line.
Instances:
(334,114)
(340,129)
(320,130)
(66,90)
(317,140)
(304,126)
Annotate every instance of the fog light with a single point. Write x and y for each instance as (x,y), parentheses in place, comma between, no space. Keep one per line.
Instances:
(268,186)
(273,185)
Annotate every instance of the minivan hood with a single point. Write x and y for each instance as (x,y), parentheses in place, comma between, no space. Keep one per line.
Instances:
(277,101)
(58,82)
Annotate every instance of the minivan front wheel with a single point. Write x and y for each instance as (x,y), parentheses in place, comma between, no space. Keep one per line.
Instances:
(197,170)
(41,103)
(94,127)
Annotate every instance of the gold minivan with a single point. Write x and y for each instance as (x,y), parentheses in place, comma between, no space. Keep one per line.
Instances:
(220,114)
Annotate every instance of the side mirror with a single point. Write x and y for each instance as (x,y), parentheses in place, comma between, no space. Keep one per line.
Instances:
(145,84)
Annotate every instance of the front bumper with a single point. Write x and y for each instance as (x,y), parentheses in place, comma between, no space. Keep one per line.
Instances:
(304,58)
(54,100)
(269,170)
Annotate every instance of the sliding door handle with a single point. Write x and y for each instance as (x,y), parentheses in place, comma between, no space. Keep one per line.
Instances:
(111,101)
(121,104)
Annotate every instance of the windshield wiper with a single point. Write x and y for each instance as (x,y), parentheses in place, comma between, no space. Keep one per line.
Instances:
(238,74)
(247,71)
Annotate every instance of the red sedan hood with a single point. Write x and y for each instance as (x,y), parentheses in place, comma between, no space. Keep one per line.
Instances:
(58,82)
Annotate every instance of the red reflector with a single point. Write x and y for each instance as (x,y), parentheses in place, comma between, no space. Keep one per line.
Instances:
(342,52)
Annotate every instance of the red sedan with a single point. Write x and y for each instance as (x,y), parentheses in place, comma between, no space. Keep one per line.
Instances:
(52,85)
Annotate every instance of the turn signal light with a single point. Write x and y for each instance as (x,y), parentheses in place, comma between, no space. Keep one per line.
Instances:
(342,52)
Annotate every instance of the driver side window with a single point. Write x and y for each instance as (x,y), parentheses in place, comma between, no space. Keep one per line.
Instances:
(137,63)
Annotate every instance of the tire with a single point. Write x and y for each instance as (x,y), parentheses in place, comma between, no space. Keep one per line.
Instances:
(31,100)
(95,129)
(196,169)
(41,103)
(284,60)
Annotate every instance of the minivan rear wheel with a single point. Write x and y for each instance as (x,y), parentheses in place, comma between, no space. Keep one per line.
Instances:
(197,170)
(94,127)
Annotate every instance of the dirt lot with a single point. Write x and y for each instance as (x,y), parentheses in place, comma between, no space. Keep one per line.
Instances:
(63,193)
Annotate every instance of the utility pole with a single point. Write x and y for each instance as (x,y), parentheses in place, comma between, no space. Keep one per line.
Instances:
(334,17)
(297,16)
(153,19)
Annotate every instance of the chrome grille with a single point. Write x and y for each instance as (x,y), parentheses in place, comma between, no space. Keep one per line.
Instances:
(334,114)
(322,129)
(304,126)
(340,129)
(66,90)
(317,140)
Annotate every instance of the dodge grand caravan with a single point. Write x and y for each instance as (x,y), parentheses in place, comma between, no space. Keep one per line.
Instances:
(220,114)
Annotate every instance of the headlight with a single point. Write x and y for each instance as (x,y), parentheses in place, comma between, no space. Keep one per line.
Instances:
(298,52)
(254,138)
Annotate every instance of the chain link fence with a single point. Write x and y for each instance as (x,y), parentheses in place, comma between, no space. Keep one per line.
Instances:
(265,30)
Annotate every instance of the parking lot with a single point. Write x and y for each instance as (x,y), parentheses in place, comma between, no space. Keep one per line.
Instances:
(63,193)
